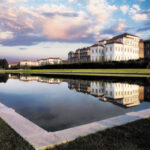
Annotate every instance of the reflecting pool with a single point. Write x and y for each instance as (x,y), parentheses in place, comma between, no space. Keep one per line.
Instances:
(60,103)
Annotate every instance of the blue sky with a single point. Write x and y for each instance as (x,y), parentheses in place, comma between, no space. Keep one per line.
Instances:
(32,29)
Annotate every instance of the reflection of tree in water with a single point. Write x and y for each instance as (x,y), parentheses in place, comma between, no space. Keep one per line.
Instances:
(3,78)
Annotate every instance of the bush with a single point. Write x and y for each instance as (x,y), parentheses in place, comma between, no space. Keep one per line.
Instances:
(141,63)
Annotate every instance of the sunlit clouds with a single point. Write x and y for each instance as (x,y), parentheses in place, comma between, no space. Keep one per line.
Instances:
(29,23)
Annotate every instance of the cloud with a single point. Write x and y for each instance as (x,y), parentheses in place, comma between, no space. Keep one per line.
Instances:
(6,35)
(146,28)
(13,1)
(145,11)
(67,14)
(124,8)
(117,28)
(137,14)
(139,17)
(54,23)
(58,27)
(137,7)
(70,1)
(31,25)
(98,9)
(22,48)
(144,34)
(101,13)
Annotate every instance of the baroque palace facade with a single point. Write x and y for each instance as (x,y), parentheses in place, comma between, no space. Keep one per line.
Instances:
(122,47)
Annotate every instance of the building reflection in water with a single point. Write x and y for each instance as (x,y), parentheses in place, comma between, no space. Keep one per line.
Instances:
(121,94)
(27,78)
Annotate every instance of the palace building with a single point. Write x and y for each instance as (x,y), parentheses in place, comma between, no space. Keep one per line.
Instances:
(80,55)
(29,63)
(48,61)
(119,48)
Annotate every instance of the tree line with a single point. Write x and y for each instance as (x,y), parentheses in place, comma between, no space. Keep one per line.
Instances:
(140,63)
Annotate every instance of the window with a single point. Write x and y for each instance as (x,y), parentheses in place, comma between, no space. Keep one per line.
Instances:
(116,93)
(111,93)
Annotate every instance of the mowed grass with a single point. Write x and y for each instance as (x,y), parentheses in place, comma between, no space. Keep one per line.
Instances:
(86,72)
(10,140)
(132,136)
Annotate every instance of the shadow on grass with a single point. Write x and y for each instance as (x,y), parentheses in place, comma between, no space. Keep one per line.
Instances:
(133,136)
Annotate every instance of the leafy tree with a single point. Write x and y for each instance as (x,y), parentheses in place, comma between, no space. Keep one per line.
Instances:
(3,63)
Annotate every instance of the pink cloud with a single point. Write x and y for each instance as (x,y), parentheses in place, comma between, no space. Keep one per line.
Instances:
(53,22)
(62,27)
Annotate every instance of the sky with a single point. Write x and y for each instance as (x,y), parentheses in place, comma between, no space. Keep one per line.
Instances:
(33,29)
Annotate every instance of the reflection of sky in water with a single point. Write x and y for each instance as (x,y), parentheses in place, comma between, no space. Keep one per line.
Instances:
(55,107)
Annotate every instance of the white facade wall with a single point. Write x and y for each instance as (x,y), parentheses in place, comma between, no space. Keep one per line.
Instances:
(97,88)
(9,66)
(96,53)
(121,93)
(126,48)
(129,94)
(109,52)
(34,63)
(12,65)
(49,80)
(42,62)
(49,61)
(129,50)
(53,61)
(28,63)
(29,78)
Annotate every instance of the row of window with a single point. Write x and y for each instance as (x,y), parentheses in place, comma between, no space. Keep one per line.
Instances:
(97,58)
(97,50)
(97,91)
(131,43)
(120,93)
(121,49)
(124,58)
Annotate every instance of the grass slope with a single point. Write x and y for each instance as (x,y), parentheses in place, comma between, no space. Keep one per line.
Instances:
(133,136)
(10,140)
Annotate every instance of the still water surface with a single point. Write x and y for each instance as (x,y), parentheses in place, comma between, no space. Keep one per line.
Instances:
(55,103)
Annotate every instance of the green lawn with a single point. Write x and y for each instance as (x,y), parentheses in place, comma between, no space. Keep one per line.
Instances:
(83,72)
(10,140)
(133,136)
(89,70)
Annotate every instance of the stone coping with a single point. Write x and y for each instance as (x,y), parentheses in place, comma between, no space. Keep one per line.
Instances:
(40,138)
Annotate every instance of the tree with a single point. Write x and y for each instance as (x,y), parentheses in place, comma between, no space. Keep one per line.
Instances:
(3,63)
